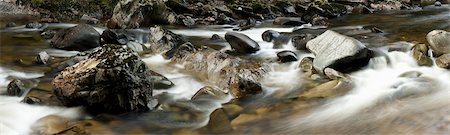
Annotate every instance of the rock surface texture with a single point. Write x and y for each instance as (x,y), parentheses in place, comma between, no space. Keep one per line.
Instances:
(111,80)
(339,52)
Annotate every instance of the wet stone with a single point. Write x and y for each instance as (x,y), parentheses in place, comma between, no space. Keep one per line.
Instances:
(34,25)
(112,37)
(80,38)
(420,53)
(287,56)
(16,88)
(48,34)
(209,93)
(42,58)
(241,43)
(306,64)
(270,35)
(443,61)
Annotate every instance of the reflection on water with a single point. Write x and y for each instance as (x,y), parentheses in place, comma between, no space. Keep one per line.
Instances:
(405,25)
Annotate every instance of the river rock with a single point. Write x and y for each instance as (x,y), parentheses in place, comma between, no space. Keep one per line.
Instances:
(300,41)
(288,21)
(34,25)
(15,88)
(232,74)
(329,89)
(138,13)
(51,124)
(339,52)
(443,61)
(209,93)
(162,40)
(42,58)
(88,19)
(160,81)
(80,38)
(247,24)
(111,80)
(439,41)
(287,56)
(241,43)
(270,35)
(420,53)
(49,34)
(113,37)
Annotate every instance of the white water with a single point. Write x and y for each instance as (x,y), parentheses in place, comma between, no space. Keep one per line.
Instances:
(5,73)
(16,118)
(379,88)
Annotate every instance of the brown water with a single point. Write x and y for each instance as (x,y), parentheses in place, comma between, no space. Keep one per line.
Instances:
(371,107)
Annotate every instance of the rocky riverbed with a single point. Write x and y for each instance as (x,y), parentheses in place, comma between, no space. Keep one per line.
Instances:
(224,67)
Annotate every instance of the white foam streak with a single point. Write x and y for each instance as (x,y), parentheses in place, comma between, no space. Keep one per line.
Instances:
(381,86)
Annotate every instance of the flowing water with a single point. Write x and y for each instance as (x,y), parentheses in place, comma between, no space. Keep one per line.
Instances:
(382,99)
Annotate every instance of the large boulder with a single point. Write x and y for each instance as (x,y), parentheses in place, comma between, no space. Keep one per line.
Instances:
(241,43)
(439,41)
(339,52)
(80,38)
(136,13)
(111,80)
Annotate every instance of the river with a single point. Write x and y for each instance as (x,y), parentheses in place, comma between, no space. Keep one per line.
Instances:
(382,101)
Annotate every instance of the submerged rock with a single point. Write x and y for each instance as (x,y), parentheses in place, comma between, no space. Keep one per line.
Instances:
(241,43)
(288,21)
(439,41)
(443,61)
(137,13)
(209,93)
(306,64)
(111,80)
(34,25)
(329,89)
(339,52)
(80,38)
(247,24)
(420,53)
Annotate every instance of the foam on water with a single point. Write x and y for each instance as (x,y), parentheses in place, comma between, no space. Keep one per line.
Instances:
(382,86)
(185,85)
(5,73)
